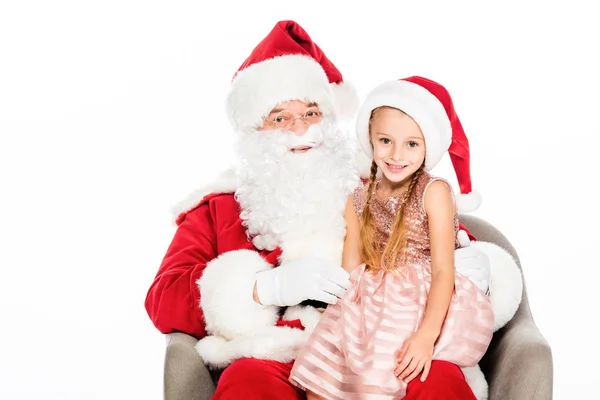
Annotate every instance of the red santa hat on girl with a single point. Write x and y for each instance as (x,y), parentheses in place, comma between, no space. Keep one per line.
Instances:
(429,104)
(287,65)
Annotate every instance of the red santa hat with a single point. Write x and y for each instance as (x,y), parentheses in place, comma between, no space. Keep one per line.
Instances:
(287,65)
(429,104)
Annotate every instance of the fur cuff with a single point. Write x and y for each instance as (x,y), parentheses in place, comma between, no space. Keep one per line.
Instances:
(226,301)
(506,285)
(476,381)
(278,343)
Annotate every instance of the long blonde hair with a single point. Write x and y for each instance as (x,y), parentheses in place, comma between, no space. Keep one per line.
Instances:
(373,256)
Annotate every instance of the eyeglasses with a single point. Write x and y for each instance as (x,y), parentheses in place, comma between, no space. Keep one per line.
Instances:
(285,120)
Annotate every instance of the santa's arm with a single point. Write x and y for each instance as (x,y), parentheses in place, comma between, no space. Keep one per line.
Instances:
(227,302)
(484,261)
(200,292)
(506,282)
(173,300)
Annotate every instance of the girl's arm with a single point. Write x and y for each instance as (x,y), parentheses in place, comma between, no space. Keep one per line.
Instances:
(440,208)
(351,255)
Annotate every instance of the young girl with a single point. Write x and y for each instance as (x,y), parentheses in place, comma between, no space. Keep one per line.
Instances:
(407,306)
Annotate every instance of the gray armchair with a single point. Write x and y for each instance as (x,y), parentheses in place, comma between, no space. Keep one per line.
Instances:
(518,364)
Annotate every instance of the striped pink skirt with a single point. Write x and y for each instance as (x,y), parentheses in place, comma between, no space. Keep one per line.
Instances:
(352,352)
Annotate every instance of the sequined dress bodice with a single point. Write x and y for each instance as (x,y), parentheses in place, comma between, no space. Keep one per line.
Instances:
(417,230)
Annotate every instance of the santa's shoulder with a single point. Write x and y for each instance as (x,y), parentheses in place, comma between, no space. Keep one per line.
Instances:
(224,184)
(219,203)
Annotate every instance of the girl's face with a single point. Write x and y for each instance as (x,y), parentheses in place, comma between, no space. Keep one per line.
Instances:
(398,144)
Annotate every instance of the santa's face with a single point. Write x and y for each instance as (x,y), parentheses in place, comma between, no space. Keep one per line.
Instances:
(294,181)
(295,117)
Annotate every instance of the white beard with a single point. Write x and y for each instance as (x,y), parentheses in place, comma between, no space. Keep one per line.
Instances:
(296,201)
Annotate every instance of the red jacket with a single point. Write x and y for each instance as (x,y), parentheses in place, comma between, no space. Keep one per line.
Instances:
(205,232)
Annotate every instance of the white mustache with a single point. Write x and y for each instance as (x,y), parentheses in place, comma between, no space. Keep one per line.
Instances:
(312,138)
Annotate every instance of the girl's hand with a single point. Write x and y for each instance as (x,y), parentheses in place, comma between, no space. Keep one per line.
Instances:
(415,356)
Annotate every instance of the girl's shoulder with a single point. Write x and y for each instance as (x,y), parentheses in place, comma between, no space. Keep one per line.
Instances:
(421,186)
(425,181)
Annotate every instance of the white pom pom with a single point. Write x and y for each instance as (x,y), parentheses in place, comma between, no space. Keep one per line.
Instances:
(346,100)
(466,203)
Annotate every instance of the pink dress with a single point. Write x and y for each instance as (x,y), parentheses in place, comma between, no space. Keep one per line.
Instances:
(352,352)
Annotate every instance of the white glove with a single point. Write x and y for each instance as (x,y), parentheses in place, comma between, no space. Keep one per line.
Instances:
(307,278)
(472,263)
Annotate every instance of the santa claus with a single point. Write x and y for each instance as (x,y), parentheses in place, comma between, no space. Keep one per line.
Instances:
(257,253)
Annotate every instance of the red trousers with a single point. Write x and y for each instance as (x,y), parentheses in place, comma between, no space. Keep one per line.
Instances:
(252,379)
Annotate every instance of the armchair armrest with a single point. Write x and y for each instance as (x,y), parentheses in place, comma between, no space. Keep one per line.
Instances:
(185,377)
(518,363)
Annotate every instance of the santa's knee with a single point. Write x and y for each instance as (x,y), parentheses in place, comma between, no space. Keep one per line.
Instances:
(254,379)
(445,381)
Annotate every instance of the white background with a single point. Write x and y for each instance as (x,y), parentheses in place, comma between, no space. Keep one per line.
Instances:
(113,111)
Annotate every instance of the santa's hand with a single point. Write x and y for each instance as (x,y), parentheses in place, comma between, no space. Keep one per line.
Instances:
(295,281)
(472,263)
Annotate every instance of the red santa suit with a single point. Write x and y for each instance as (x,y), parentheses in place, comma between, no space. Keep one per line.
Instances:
(204,286)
